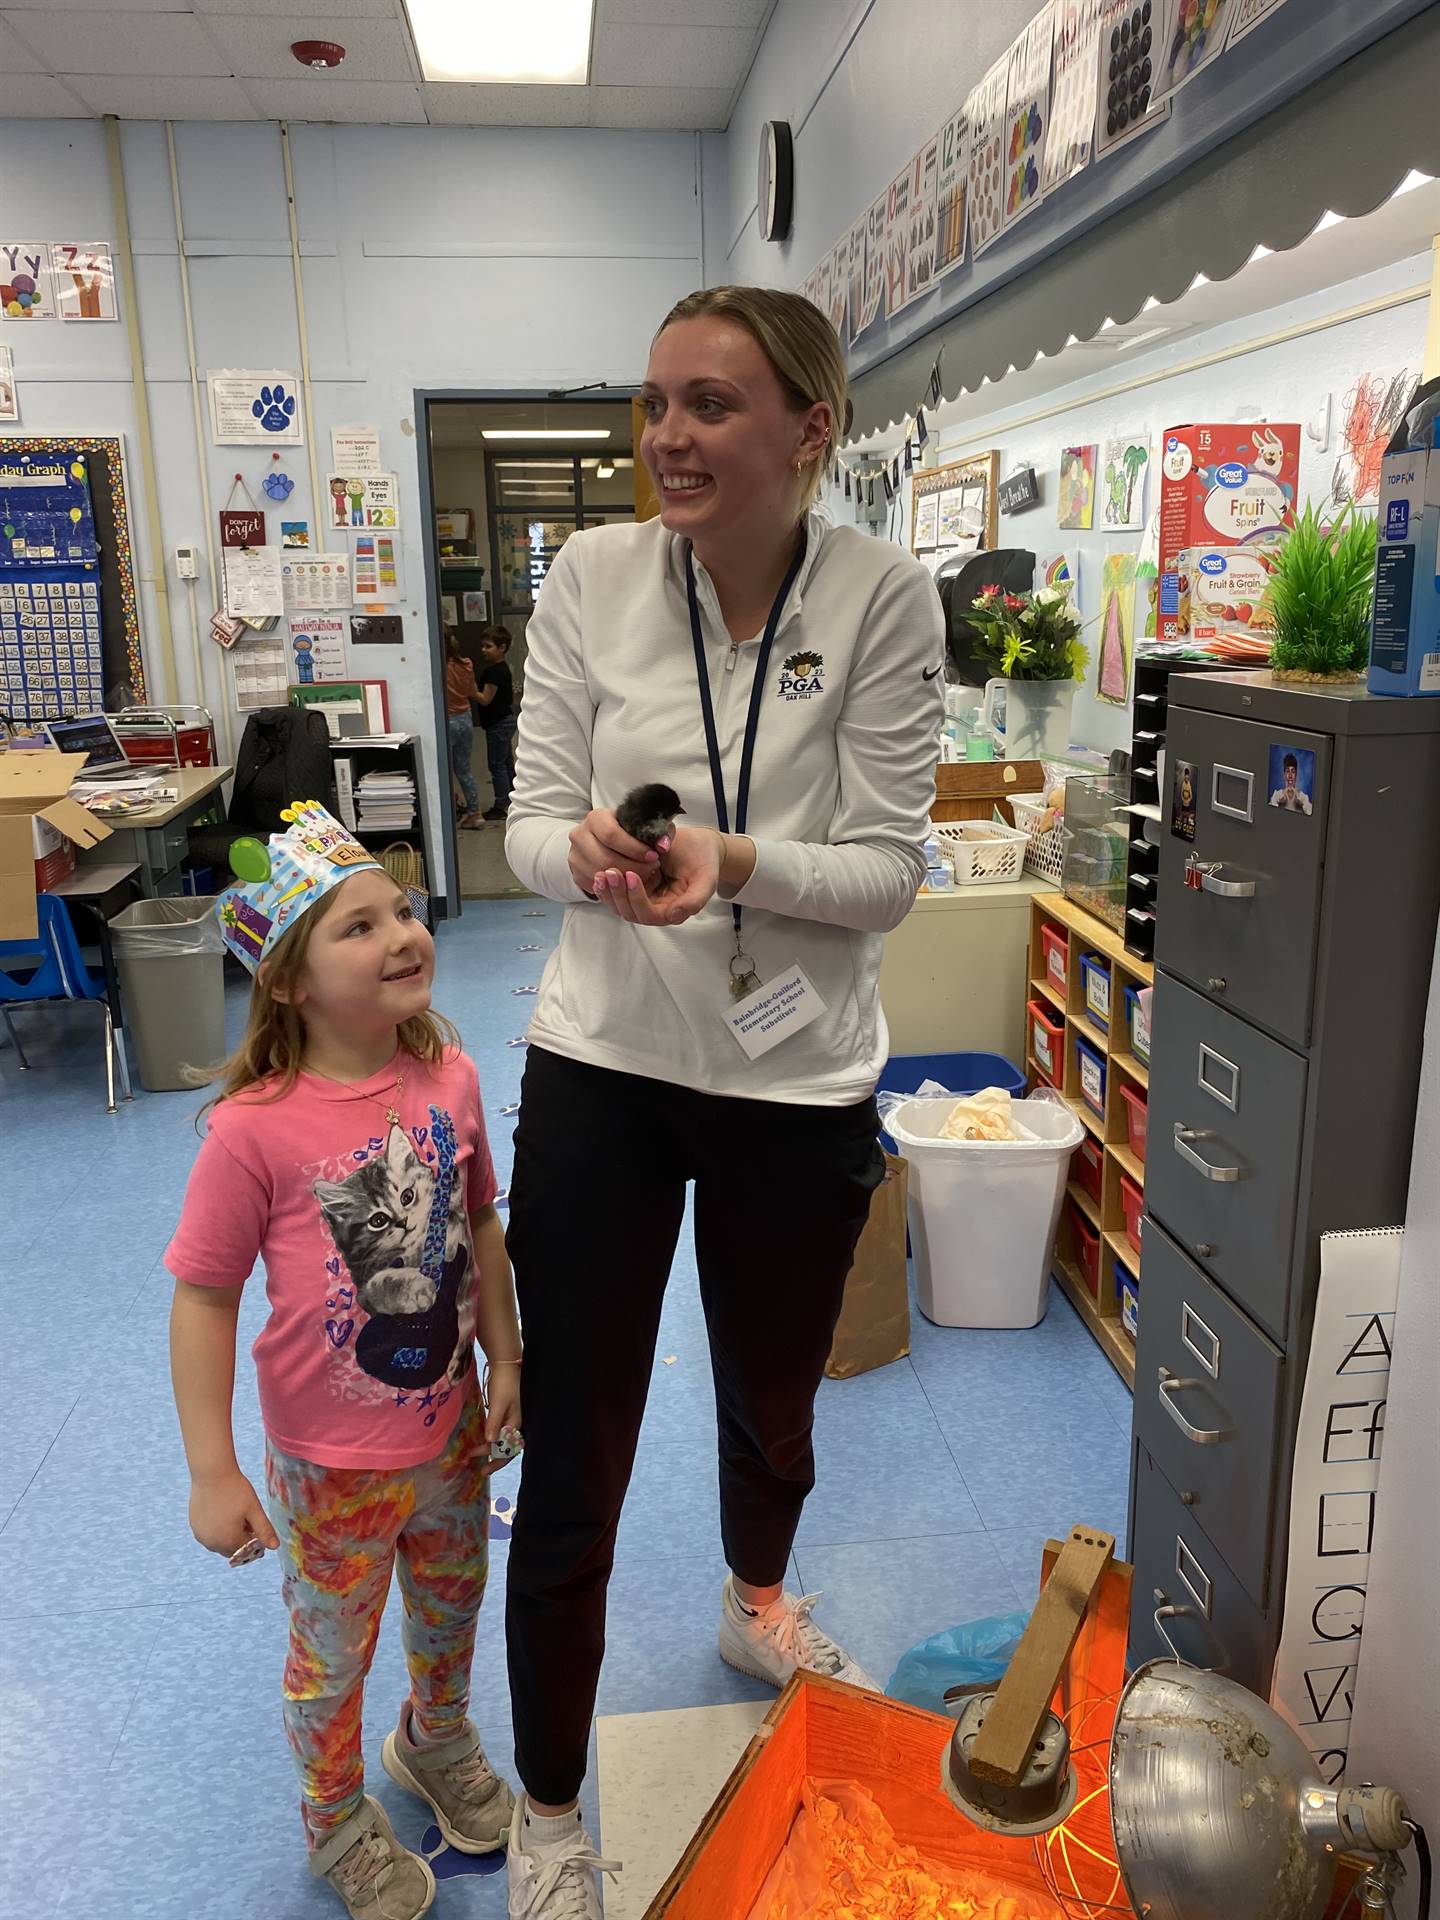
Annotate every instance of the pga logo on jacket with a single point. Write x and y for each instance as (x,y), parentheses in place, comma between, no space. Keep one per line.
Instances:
(800,677)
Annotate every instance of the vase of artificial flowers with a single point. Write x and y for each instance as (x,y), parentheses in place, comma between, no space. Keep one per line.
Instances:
(1032,640)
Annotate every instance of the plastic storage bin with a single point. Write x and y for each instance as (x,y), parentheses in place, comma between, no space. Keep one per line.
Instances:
(1056,947)
(172,982)
(1137,1012)
(1127,1292)
(1093,1070)
(1133,1201)
(980,852)
(1047,1041)
(1095,973)
(1098,857)
(1087,1169)
(1087,1250)
(1137,1110)
(983,1213)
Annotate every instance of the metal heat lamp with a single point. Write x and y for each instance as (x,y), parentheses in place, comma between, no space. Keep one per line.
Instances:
(1217,1810)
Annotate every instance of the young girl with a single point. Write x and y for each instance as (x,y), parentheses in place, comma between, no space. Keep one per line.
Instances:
(347,1150)
(460,690)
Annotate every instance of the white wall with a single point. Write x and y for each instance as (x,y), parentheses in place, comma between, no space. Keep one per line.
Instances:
(491,258)
(1283,382)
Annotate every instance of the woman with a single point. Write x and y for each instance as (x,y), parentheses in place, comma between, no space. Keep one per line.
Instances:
(460,690)
(655,650)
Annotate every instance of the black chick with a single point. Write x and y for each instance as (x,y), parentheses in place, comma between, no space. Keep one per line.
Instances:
(648,814)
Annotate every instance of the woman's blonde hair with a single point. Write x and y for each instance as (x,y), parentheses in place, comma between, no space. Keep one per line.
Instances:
(273,1049)
(800,344)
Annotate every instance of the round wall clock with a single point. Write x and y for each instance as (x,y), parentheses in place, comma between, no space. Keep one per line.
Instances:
(777,180)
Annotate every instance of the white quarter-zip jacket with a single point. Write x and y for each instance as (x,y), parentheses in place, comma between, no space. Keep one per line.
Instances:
(842,784)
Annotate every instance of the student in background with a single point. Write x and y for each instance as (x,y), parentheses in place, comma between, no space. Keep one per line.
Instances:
(460,690)
(496,700)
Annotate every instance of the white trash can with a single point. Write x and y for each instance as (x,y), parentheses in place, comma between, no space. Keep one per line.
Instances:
(983,1213)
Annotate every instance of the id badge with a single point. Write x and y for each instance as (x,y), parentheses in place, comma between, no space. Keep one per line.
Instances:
(765,1018)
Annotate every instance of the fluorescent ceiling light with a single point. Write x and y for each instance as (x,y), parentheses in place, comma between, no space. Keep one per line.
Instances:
(603,472)
(539,43)
(532,466)
(545,433)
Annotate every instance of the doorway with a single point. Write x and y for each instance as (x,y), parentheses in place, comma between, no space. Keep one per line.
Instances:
(510,479)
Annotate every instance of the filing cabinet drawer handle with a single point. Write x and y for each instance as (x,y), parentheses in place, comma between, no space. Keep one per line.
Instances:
(1211,882)
(1169,1387)
(1168,1612)
(1183,1136)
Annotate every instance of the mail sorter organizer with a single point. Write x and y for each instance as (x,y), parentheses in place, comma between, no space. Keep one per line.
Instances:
(1299,894)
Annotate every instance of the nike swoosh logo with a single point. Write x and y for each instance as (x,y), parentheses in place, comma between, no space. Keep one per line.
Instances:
(930,675)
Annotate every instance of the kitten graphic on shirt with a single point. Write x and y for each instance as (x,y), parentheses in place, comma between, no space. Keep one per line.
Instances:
(377,1218)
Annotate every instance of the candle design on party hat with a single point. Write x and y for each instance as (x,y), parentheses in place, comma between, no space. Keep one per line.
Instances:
(275,884)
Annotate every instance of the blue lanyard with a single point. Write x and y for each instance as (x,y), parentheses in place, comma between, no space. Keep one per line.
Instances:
(757,695)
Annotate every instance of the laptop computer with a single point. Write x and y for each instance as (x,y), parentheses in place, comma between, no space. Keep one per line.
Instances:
(93,734)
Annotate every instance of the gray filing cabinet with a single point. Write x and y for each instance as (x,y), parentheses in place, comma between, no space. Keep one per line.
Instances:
(1296,933)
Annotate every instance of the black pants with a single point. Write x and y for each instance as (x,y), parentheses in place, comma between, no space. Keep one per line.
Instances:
(601,1165)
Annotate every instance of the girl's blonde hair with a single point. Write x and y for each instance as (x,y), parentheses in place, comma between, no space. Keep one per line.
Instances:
(273,1049)
(802,347)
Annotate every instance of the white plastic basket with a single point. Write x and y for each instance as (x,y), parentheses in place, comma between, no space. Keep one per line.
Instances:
(1045,844)
(980,851)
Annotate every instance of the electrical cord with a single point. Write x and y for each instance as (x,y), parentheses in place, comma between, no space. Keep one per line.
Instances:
(1422,1854)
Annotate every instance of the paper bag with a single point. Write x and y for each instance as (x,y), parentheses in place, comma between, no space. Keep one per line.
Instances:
(874,1325)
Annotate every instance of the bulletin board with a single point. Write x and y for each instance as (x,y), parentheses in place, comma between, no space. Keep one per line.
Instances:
(109,501)
(956,509)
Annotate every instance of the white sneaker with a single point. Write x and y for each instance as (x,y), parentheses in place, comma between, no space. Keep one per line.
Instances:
(554,1879)
(773,1645)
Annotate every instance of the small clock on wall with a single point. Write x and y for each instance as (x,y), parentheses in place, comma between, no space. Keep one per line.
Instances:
(777,180)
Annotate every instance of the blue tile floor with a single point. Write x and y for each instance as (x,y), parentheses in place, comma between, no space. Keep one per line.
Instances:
(144,1768)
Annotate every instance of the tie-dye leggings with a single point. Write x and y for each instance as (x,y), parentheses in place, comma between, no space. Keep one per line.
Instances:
(341,1532)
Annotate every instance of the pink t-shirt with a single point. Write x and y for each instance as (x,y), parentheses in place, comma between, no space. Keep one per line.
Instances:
(368,1352)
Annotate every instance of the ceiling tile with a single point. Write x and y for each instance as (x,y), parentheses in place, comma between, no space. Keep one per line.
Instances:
(690,109)
(260,49)
(749,14)
(455,103)
(15,56)
(139,43)
(130,97)
(377,102)
(706,57)
(116,6)
(37,97)
(271,9)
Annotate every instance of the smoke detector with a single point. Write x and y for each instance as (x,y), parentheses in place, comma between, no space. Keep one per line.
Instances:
(321,56)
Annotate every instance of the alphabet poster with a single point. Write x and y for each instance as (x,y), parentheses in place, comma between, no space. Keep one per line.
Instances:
(83,274)
(1332,1501)
(25,290)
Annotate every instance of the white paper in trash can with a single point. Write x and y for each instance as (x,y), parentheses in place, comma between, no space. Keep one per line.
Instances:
(983,1213)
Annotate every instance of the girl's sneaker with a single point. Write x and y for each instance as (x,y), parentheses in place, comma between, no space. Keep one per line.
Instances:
(773,1644)
(554,1879)
(471,1803)
(373,1874)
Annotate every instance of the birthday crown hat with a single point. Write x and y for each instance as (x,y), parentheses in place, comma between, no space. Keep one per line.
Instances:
(275,884)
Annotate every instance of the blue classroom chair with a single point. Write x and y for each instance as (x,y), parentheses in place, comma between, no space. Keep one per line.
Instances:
(54,970)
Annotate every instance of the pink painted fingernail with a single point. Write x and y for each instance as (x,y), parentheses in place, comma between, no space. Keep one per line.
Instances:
(632,881)
(602,880)
(664,844)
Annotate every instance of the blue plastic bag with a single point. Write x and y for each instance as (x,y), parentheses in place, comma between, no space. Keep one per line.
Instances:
(973,1655)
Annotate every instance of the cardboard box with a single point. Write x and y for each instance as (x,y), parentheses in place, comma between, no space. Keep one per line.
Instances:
(1220,590)
(54,854)
(34,805)
(874,1324)
(1405,624)
(1222,486)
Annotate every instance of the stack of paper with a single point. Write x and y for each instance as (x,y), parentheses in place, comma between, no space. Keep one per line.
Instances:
(386,802)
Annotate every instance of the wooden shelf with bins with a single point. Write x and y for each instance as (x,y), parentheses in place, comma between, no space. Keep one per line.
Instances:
(1089,936)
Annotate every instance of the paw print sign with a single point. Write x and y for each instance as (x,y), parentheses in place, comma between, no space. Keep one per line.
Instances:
(274,409)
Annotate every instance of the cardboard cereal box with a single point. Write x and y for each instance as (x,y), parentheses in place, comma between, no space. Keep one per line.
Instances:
(1222,487)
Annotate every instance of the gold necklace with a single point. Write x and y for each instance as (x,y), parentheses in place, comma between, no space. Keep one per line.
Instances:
(391,1106)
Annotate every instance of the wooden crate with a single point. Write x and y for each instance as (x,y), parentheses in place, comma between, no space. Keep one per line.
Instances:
(972,789)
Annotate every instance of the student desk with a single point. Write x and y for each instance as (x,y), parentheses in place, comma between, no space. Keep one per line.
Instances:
(158,839)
